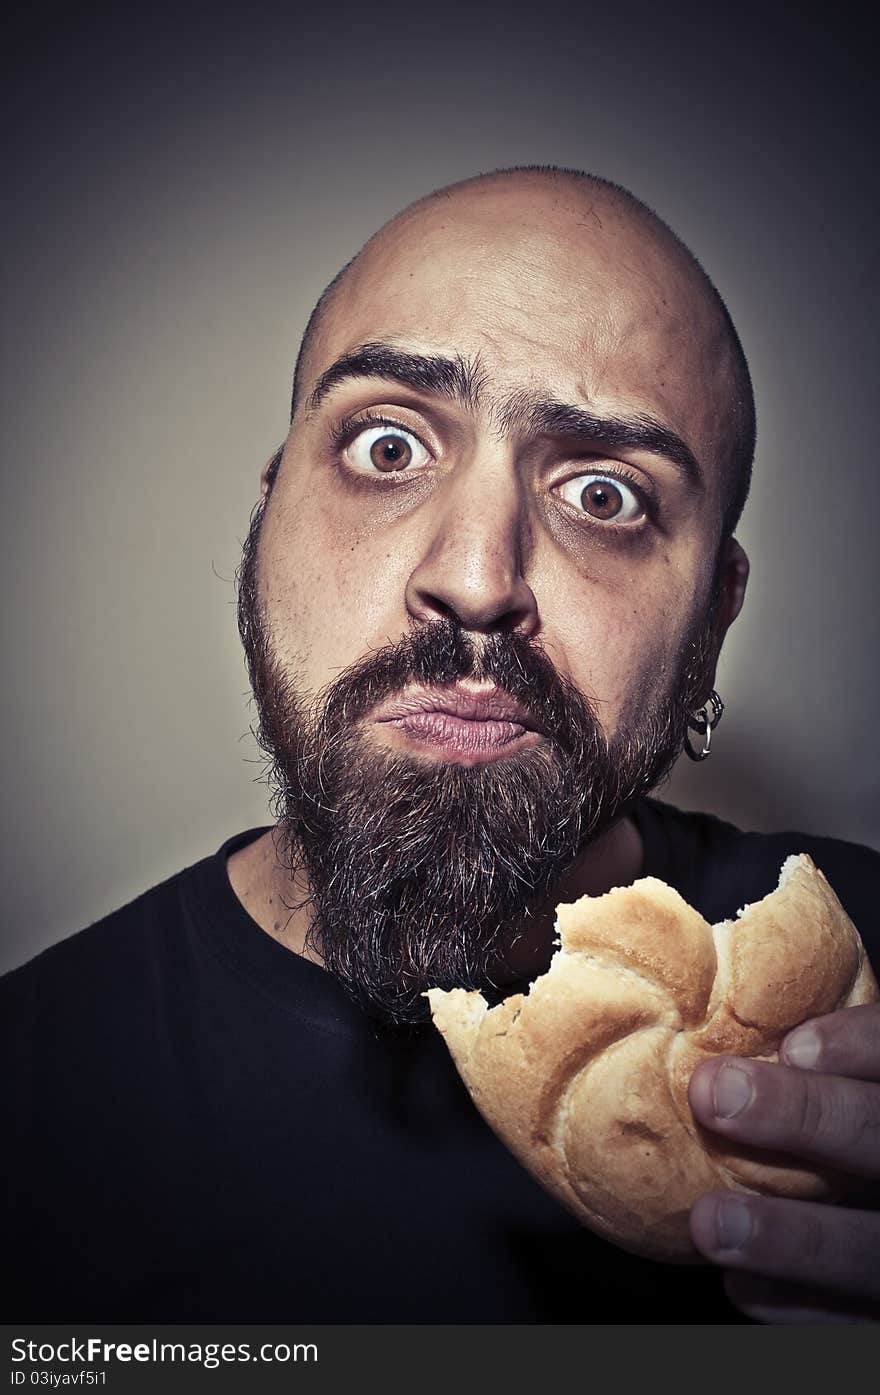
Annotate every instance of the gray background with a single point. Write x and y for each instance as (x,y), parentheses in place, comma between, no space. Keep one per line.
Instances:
(179,190)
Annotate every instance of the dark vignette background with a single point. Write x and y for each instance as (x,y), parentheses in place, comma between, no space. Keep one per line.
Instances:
(179,188)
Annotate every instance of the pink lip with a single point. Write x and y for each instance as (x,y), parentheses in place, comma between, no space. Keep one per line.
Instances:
(469,704)
(467,726)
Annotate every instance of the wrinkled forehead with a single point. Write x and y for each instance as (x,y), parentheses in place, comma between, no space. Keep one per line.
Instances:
(579,302)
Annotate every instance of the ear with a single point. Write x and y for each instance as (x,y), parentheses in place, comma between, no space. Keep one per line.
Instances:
(270,470)
(734,565)
(733,573)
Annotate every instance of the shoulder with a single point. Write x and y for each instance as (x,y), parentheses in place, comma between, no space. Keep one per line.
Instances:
(717,836)
(135,933)
(94,1010)
(115,931)
(124,966)
(68,980)
(721,868)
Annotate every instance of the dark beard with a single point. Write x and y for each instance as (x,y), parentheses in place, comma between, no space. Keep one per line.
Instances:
(423,872)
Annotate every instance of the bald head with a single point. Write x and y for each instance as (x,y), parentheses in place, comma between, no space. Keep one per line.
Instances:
(604,273)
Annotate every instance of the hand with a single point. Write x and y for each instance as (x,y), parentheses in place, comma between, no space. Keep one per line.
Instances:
(799,1261)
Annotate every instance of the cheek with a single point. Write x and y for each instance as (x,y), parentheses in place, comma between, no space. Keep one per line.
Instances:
(331,590)
(366,585)
(621,644)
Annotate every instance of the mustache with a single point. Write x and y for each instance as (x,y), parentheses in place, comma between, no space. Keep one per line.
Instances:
(439,653)
(421,874)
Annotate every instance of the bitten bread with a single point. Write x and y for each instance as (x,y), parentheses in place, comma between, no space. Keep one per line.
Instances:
(585,1077)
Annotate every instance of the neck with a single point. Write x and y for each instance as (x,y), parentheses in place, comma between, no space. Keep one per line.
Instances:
(615,858)
(279,901)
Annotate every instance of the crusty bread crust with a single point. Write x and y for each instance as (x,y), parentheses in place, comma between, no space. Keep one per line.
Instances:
(585,1077)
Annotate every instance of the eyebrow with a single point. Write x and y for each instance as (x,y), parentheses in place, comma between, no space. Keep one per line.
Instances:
(463,380)
(638,432)
(458,377)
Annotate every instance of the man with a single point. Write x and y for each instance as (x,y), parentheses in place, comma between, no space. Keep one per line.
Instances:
(482,600)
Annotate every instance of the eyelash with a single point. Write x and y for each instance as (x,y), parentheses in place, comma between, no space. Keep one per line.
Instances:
(344,431)
(635,482)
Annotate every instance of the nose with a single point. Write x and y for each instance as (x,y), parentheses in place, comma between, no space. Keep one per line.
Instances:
(478,543)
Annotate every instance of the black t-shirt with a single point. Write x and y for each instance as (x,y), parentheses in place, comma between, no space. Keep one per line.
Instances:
(202,1127)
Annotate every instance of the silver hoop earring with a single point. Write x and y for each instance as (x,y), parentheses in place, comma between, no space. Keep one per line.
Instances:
(704,721)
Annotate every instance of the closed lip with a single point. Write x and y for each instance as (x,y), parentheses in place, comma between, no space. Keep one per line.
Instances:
(475,705)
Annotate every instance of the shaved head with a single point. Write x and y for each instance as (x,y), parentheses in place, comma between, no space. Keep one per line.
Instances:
(521,433)
(626,230)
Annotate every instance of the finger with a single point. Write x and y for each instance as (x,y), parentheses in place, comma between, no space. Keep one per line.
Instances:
(773,1300)
(802,1242)
(823,1118)
(842,1043)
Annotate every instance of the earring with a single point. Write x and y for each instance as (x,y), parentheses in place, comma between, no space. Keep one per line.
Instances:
(703,721)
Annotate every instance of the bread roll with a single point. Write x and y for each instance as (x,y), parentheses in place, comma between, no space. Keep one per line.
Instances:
(585,1077)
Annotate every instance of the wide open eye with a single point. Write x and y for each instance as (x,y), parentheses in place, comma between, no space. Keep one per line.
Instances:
(604,498)
(387,448)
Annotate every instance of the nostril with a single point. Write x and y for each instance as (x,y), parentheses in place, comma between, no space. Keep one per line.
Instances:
(482,609)
(434,608)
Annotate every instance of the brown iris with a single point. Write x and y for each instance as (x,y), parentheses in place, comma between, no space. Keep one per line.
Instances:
(601,499)
(390,453)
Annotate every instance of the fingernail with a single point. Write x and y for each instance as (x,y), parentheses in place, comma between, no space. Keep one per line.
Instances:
(802,1048)
(733,1224)
(733,1091)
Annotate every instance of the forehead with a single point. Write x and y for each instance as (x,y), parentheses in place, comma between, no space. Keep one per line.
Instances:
(559,295)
